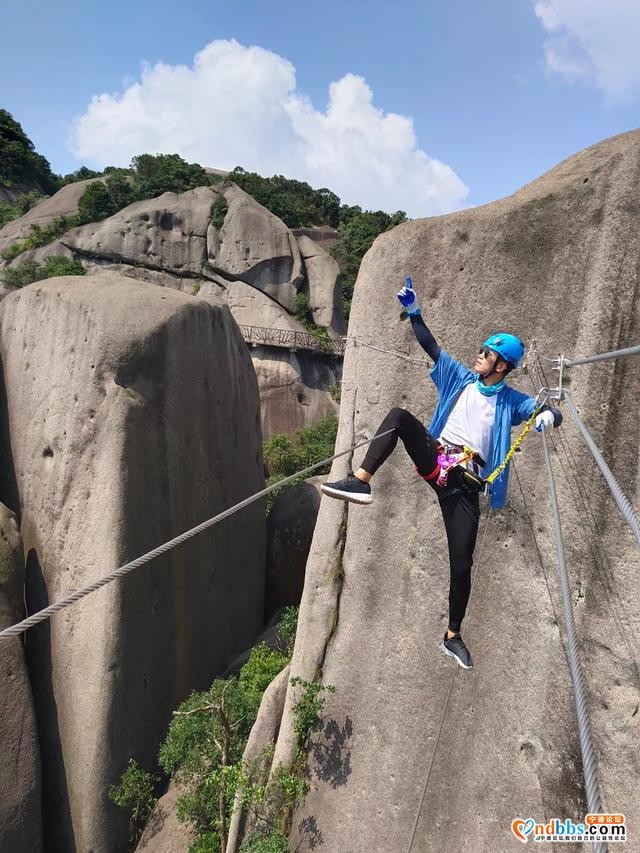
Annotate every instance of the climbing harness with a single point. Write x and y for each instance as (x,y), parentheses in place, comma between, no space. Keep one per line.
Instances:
(450,457)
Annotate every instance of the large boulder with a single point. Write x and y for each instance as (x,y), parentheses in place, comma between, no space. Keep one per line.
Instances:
(133,416)
(294,388)
(558,261)
(256,247)
(163,832)
(20,792)
(323,283)
(62,203)
(167,233)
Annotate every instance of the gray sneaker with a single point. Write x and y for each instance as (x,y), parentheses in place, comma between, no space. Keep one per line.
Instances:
(350,489)
(455,648)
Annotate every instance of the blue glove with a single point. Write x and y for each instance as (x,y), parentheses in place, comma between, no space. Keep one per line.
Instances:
(408,299)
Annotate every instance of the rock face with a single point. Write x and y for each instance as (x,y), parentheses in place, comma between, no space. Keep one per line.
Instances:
(63,203)
(256,247)
(292,388)
(168,232)
(558,261)
(164,833)
(324,294)
(134,418)
(20,805)
(290,527)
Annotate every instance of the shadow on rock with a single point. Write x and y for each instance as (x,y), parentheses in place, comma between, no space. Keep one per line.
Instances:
(331,755)
(310,835)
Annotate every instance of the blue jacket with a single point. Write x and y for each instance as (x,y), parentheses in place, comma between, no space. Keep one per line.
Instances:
(512,408)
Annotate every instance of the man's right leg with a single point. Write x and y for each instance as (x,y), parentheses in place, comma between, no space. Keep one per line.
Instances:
(419,444)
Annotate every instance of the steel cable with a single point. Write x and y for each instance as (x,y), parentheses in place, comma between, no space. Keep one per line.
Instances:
(624,504)
(589,763)
(45,613)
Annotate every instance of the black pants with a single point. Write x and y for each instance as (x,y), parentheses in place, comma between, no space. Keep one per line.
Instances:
(460,509)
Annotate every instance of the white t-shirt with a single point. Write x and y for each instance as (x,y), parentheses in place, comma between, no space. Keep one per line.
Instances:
(471,421)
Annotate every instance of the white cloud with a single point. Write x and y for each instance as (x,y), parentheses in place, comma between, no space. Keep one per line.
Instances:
(594,41)
(240,106)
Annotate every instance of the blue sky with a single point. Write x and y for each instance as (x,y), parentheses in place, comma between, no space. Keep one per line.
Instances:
(433,105)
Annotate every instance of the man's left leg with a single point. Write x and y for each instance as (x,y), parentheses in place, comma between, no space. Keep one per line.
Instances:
(461,515)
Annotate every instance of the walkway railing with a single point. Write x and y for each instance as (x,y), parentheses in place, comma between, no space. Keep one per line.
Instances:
(292,340)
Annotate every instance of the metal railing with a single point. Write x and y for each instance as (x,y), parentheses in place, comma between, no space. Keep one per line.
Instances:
(292,340)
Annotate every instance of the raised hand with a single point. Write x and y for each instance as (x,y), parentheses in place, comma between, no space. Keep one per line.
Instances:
(408,298)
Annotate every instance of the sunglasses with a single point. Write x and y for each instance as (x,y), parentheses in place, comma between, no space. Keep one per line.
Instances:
(485,352)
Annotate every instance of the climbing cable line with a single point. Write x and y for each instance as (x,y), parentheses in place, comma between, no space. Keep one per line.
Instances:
(45,613)
(589,762)
(601,563)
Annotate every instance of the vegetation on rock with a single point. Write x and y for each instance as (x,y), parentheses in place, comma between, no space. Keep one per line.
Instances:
(30,271)
(219,210)
(40,235)
(295,202)
(136,793)
(302,313)
(13,210)
(284,456)
(204,749)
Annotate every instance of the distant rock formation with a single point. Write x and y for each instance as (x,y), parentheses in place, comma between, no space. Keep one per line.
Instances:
(63,203)
(558,262)
(217,242)
(133,415)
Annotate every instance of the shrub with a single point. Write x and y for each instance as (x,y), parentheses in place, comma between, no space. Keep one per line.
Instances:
(30,271)
(287,628)
(219,210)
(14,210)
(135,792)
(284,456)
(95,204)
(270,841)
(307,710)
(40,235)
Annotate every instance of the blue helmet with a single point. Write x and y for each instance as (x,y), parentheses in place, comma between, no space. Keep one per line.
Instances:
(507,346)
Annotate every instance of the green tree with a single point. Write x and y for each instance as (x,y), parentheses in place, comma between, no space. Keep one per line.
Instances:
(19,162)
(155,174)
(358,229)
(82,174)
(95,204)
(284,456)
(121,192)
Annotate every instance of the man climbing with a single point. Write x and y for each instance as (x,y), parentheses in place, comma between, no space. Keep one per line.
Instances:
(469,435)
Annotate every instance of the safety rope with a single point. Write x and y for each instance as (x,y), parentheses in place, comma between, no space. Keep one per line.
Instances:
(425,786)
(516,444)
(45,613)
(589,764)
(624,504)
(358,342)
